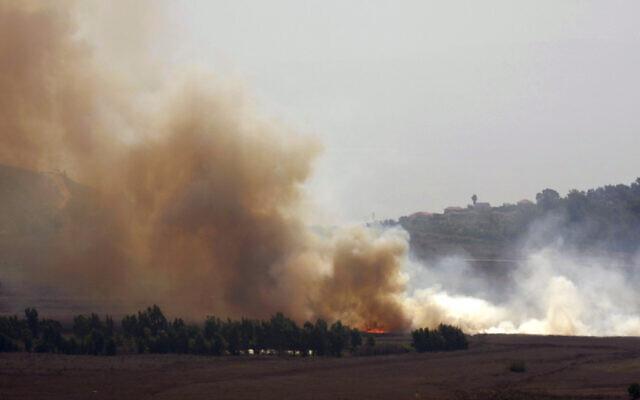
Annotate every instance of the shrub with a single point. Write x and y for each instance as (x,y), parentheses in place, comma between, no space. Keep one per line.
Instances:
(94,342)
(27,339)
(71,346)
(355,339)
(518,366)
(454,338)
(634,391)
(371,341)
(31,316)
(110,347)
(7,344)
(444,338)
(200,345)
(218,345)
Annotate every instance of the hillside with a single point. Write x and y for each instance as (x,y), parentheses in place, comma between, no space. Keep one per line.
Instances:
(601,219)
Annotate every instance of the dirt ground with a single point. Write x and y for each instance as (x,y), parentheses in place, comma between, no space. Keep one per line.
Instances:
(556,368)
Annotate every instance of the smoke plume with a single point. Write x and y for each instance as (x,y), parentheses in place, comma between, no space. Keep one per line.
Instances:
(192,201)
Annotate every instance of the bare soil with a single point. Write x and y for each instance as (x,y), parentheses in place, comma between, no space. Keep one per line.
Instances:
(556,368)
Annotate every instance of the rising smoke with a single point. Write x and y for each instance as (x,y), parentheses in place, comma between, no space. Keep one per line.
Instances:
(195,203)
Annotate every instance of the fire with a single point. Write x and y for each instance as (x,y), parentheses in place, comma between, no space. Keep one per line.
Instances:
(375,328)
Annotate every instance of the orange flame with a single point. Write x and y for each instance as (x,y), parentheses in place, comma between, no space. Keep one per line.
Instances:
(375,330)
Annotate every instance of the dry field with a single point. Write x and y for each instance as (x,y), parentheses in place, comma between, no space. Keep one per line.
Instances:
(556,368)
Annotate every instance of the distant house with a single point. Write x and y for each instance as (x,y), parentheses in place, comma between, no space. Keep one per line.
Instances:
(482,206)
(453,210)
(420,214)
(525,202)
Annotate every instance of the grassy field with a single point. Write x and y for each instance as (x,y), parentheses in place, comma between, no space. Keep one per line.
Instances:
(554,368)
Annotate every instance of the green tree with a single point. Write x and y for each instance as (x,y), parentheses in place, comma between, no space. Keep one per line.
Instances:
(201,346)
(218,345)
(31,315)
(355,339)
(548,199)
(338,338)
(284,334)
(320,338)
(231,335)
(95,342)
(110,347)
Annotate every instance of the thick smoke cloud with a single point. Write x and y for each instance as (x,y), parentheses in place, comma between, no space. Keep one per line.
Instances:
(195,203)
(366,286)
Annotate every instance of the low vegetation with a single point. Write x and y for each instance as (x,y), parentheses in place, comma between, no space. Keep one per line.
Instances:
(634,391)
(443,338)
(518,366)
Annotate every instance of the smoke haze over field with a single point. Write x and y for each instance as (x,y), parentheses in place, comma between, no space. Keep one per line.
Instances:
(188,198)
(551,291)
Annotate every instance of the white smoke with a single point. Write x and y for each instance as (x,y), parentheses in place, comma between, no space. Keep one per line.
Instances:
(552,290)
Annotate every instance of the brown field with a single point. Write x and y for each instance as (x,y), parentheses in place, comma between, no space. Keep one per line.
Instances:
(556,368)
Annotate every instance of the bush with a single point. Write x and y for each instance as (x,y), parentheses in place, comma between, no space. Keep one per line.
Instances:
(200,345)
(71,346)
(518,366)
(454,338)
(7,344)
(634,391)
(110,347)
(444,338)
(355,339)
(218,345)
(371,341)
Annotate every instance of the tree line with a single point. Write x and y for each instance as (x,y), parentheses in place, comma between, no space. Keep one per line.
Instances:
(149,331)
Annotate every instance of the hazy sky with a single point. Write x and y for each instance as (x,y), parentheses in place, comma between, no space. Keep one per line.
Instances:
(420,104)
